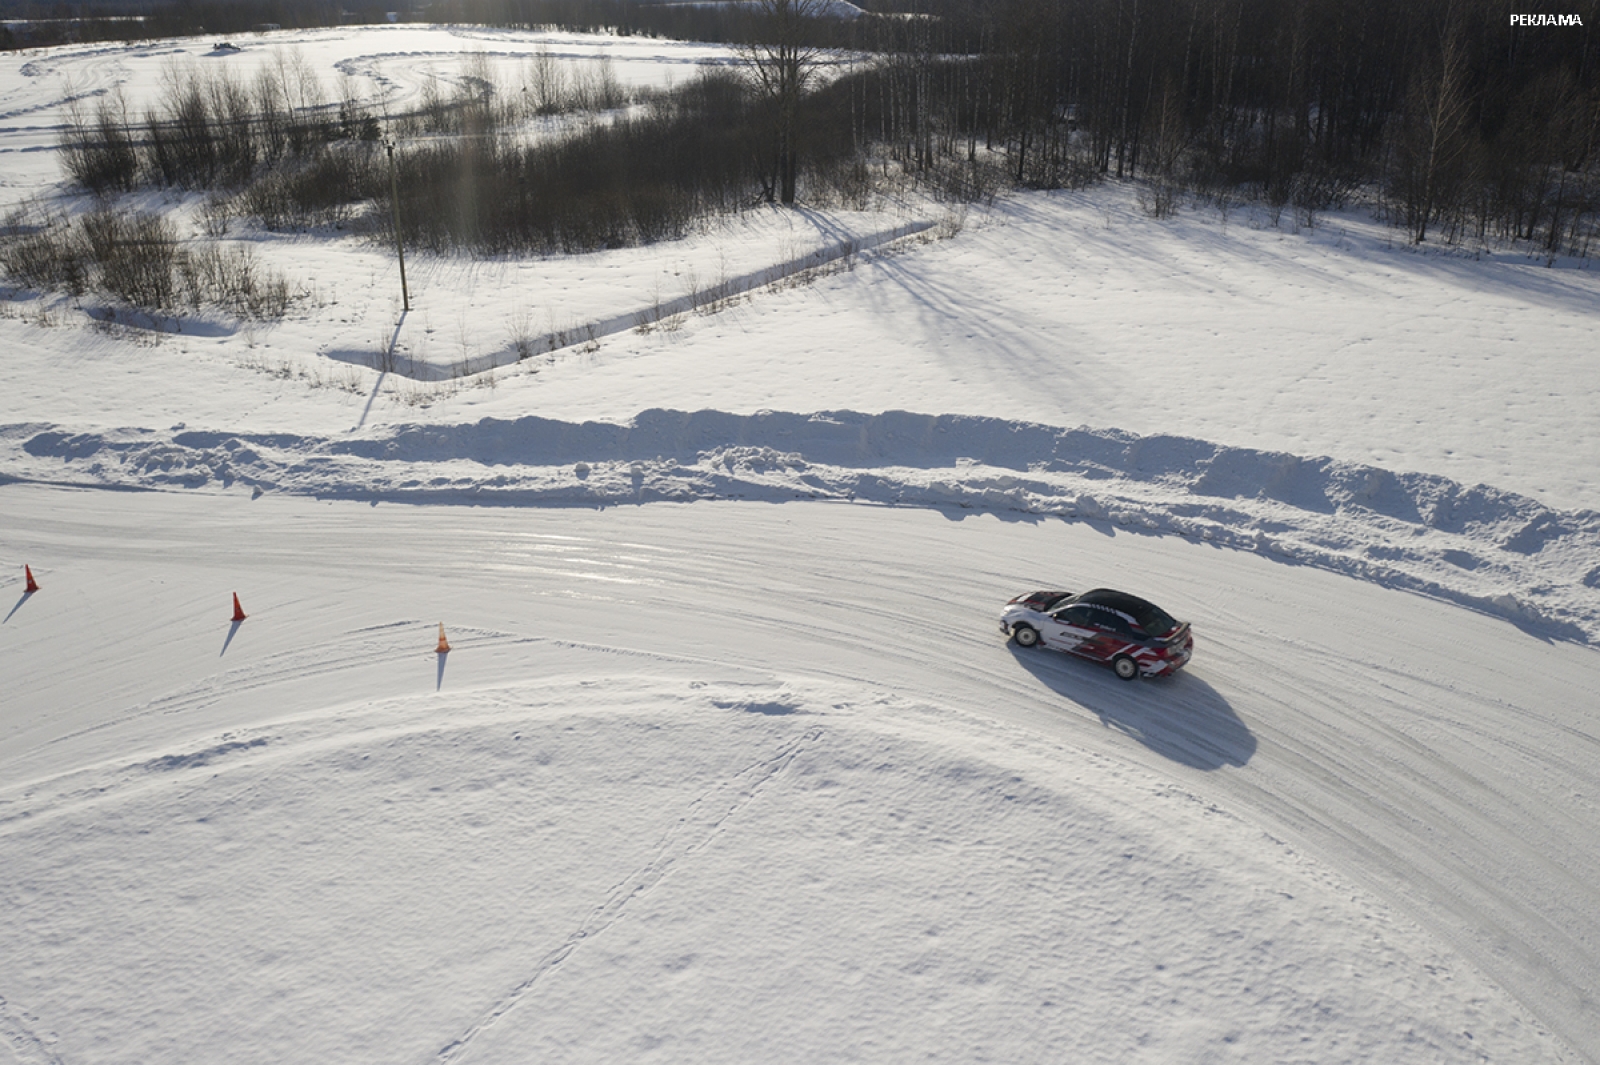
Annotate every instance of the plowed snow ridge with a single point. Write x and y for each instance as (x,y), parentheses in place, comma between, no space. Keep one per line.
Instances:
(1495,551)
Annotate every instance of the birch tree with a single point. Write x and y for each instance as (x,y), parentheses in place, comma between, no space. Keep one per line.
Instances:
(1435,138)
(782,64)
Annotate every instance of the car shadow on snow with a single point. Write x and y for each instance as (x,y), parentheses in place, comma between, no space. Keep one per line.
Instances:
(1182,717)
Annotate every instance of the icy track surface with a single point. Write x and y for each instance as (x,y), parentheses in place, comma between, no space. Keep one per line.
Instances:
(1491,550)
(728,782)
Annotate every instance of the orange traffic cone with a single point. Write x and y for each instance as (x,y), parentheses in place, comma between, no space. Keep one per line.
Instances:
(33,585)
(238,611)
(444,644)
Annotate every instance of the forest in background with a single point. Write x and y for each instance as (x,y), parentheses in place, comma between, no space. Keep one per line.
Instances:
(1451,121)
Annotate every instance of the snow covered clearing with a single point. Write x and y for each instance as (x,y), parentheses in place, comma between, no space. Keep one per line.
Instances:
(729,760)
(387,69)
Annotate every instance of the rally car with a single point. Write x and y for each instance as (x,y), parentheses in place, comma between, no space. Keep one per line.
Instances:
(1138,638)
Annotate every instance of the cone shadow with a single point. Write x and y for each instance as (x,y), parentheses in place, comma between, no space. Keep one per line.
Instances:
(233,629)
(18,605)
(439,681)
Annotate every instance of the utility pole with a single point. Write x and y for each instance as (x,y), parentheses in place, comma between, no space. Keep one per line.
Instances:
(394,207)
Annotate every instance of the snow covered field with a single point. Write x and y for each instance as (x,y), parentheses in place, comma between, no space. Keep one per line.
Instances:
(386,68)
(728,760)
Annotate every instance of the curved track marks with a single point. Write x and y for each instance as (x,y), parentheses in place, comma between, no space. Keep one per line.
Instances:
(699,825)
(1443,759)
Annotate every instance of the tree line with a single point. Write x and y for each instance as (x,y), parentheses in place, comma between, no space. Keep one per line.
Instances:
(1453,119)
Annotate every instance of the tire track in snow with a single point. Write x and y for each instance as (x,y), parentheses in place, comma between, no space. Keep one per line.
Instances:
(701,823)
(1366,764)
(1367,712)
(389,643)
(330,657)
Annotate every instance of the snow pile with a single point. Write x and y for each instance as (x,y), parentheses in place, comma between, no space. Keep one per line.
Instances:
(1494,551)
(690,871)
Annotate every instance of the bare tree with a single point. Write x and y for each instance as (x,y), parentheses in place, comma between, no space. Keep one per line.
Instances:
(1435,138)
(98,150)
(545,83)
(782,64)
(1164,154)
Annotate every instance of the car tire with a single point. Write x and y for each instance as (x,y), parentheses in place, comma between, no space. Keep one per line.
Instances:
(1126,667)
(1025,635)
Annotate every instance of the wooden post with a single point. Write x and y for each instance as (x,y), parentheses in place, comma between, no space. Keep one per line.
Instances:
(394,207)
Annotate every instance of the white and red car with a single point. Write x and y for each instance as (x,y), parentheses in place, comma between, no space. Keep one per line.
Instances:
(1138,638)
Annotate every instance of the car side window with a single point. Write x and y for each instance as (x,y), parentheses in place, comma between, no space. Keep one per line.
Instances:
(1115,623)
(1081,616)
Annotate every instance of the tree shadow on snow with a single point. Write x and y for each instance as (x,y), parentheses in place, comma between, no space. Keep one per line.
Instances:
(1182,718)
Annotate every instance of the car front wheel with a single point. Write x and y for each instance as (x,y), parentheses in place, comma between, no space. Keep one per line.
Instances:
(1126,667)
(1025,635)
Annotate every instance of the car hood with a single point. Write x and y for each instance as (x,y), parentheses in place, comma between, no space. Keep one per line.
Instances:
(1037,600)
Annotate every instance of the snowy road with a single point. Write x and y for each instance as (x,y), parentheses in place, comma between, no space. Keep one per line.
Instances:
(1441,760)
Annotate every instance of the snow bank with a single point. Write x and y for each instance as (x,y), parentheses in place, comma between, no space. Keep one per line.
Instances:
(704,870)
(1494,551)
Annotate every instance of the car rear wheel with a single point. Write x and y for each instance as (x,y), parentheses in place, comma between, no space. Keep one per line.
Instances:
(1126,667)
(1025,635)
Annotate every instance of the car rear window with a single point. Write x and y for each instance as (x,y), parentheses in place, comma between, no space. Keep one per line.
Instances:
(1155,621)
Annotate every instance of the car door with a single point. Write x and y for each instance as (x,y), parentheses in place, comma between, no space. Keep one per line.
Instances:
(1113,636)
(1070,629)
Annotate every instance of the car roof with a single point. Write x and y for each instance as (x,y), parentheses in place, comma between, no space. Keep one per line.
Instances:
(1149,617)
(1128,604)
